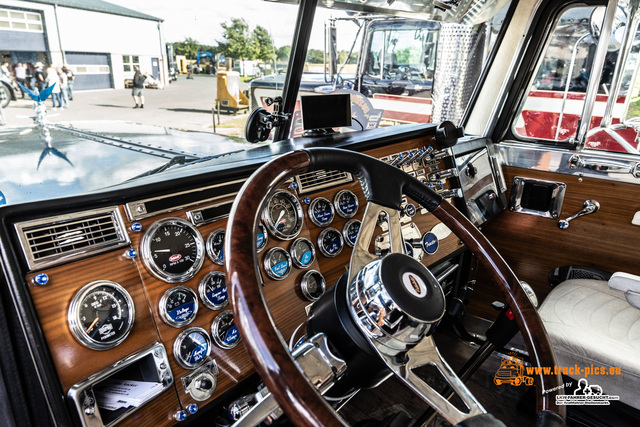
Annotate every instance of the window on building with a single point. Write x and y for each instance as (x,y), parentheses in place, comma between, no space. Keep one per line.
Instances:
(129,62)
(20,21)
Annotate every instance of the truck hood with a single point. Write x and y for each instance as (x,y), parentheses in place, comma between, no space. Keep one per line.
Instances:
(85,156)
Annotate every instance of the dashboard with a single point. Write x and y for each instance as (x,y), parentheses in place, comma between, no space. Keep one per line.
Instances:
(130,295)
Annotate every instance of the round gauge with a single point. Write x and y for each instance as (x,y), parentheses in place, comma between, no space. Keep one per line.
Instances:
(215,246)
(277,263)
(330,242)
(283,215)
(302,252)
(224,330)
(179,306)
(321,212)
(312,285)
(173,250)
(192,347)
(213,290)
(346,203)
(262,238)
(101,315)
(350,232)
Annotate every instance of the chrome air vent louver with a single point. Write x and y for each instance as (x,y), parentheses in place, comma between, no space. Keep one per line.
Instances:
(316,180)
(58,239)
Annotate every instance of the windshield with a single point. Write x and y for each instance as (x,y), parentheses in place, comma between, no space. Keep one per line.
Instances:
(204,67)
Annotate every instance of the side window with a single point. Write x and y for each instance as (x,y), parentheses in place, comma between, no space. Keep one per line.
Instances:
(554,104)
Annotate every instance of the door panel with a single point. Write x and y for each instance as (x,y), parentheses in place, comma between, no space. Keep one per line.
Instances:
(533,245)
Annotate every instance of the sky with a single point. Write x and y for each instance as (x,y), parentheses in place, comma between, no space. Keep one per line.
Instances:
(201,19)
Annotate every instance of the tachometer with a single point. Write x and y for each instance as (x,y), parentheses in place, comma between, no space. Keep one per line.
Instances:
(321,212)
(192,347)
(283,215)
(179,306)
(101,315)
(173,250)
(346,203)
(330,242)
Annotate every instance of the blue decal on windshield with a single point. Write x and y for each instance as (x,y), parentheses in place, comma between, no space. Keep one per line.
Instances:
(3,200)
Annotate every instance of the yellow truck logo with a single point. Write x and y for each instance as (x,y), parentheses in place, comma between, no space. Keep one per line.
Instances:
(511,371)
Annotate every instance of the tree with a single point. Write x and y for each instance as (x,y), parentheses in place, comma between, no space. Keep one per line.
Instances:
(189,48)
(283,53)
(238,41)
(315,56)
(264,49)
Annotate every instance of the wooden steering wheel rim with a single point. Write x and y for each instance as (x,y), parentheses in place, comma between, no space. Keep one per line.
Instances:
(266,347)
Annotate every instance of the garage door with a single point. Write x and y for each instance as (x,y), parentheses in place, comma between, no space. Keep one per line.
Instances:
(92,70)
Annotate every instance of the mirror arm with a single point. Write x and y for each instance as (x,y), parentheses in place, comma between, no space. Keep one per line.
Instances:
(595,75)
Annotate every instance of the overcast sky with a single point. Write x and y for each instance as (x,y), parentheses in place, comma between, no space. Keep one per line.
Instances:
(201,19)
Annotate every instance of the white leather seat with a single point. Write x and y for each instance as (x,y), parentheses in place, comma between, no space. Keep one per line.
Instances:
(591,324)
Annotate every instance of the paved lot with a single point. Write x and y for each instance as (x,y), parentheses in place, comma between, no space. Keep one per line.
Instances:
(183,104)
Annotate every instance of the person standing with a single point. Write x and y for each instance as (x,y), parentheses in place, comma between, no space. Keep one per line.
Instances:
(4,70)
(138,85)
(53,80)
(21,76)
(70,77)
(64,85)
(39,77)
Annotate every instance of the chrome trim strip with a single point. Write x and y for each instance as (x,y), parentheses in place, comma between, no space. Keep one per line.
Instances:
(23,227)
(551,159)
(137,210)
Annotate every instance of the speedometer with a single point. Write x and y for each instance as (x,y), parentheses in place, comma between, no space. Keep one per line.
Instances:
(283,215)
(173,250)
(101,315)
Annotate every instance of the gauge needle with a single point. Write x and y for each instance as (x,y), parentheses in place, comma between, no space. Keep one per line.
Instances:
(280,217)
(92,325)
(162,250)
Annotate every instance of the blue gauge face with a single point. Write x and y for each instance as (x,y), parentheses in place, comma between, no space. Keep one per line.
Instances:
(179,306)
(408,249)
(321,212)
(277,263)
(261,238)
(346,203)
(430,243)
(350,232)
(224,330)
(330,242)
(215,246)
(213,290)
(192,347)
(302,253)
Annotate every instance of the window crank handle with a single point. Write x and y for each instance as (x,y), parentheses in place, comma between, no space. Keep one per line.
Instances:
(589,207)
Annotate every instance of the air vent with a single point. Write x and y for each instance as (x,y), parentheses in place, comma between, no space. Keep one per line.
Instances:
(317,180)
(59,239)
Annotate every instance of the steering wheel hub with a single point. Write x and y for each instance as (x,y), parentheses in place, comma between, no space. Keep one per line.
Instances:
(396,301)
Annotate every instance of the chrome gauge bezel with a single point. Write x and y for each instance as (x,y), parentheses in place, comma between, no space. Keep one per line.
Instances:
(263,230)
(215,329)
(162,306)
(295,256)
(178,342)
(304,285)
(345,231)
(312,206)
(267,265)
(321,247)
(76,326)
(298,212)
(336,203)
(202,290)
(151,266)
(209,245)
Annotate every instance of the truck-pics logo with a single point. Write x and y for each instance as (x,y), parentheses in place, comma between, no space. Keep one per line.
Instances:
(511,371)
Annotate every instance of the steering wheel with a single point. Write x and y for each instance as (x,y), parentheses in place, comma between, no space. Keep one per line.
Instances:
(383,186)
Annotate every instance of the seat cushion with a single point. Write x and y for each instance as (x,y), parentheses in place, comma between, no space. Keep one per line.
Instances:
(590,324)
